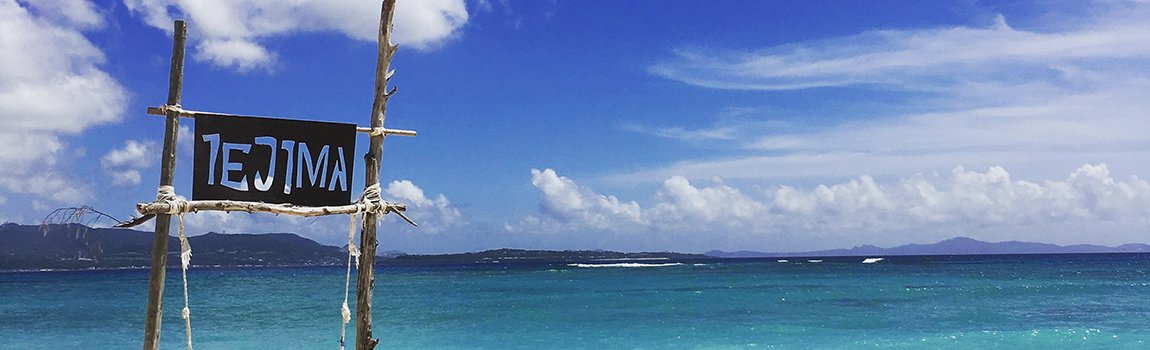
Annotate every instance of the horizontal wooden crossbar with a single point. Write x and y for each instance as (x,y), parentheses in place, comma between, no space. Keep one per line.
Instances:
(163,110)
(149,210)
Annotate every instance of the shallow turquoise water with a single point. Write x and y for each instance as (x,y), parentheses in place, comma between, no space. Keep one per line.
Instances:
(1024,302)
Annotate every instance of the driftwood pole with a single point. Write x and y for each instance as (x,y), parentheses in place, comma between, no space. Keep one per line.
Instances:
(167,173)
(365,279)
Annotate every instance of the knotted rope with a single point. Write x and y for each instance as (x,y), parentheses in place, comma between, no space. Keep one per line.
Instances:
(352,254)
(369,201)
(167,194)
(185,261)
(176,206)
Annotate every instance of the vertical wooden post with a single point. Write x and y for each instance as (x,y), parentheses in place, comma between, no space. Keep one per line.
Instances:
(167,174)
(365,279)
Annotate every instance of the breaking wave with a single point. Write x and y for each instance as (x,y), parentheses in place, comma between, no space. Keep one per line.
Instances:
(626,265)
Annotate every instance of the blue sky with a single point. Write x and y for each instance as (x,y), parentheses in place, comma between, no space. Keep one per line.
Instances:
(638,125)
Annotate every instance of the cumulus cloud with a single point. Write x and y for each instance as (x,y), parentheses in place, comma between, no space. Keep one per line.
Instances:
(434,215)
(124,164)
(50,86)
(567,205)
(134,154)
(240,54)
(683,206)
(231,33)
(860,210)
(78,13)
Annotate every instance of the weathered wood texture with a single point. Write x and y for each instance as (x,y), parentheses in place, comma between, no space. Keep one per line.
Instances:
(365,280)
(253,207)
(167,174)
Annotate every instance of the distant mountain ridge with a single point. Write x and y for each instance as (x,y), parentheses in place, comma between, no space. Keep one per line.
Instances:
(73,246)
(953,246)
(524,256)
(30,247)
(76,246)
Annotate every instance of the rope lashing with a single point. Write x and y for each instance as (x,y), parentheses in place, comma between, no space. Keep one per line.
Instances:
(379,131)
(167,195)
(371,201)
(168,108)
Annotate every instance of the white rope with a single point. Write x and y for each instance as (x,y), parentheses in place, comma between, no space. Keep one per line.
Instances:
(171,108)
(167,194)
(185,260)
(176,206)
(352,254)
(371,201)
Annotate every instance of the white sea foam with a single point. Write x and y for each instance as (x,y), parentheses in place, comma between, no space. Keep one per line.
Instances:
(815,261)
(871,260)
(784,261)
(625,265)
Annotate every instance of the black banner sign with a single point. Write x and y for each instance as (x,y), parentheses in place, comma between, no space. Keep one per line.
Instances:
(273,160)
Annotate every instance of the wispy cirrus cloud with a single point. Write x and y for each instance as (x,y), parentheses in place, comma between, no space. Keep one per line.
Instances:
(924,59)
(1037,100)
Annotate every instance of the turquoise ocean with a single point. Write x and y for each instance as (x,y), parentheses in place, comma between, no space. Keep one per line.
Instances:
(1090,301)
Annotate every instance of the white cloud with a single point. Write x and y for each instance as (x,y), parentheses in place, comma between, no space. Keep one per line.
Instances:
(134,154)
(688,135)
(567,205)
(49,184)
(1041,101)
(50,86)
(230,33)
(78,13)
(924,59)
(124,164)
(121,178)
(681,206)
(184,142)
(49,79)
(912,209)
(434,215)
(241,54)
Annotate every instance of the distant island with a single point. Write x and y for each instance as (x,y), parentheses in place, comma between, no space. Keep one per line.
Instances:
(953,246)
(522,256)
(74,246)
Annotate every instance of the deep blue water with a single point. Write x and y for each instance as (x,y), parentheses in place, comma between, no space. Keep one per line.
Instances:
(1099,301)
